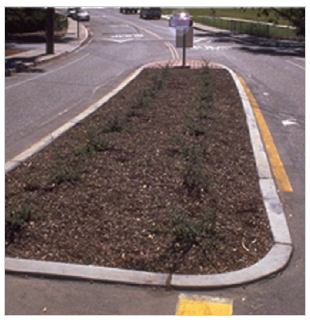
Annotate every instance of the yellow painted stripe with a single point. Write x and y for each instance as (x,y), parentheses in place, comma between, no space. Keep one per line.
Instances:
(277,166)
(204,306)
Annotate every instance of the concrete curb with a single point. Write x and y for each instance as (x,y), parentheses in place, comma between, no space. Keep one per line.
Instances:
(275,260)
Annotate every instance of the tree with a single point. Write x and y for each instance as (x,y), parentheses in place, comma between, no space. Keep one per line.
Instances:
(296,17)
(28,19)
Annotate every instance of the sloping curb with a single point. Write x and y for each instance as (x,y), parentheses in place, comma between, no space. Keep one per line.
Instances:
(274,261)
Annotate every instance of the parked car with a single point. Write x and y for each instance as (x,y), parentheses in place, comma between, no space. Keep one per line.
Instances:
(150,13)
(81,15)
(180,19)
(128,10)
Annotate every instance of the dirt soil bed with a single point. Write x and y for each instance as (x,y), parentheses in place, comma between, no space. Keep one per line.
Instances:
(161,178)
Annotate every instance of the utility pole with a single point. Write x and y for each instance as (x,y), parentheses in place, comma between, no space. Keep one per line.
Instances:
(50,13)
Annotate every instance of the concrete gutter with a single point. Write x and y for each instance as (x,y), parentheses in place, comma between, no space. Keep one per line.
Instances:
(274,261)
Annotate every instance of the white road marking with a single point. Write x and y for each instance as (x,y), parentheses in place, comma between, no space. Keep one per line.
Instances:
(202,39)
(205,47)
(289,122)
(288,61)
(47,73)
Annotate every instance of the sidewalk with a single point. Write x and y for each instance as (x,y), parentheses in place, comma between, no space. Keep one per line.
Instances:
(75,37)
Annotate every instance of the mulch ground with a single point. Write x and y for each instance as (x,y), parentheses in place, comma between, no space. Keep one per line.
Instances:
(161,178)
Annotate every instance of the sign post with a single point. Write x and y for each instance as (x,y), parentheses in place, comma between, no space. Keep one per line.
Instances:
(184,39)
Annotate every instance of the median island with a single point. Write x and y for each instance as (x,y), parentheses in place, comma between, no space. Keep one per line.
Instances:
(161,178)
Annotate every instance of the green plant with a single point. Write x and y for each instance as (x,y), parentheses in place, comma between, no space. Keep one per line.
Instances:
(17,217)
(94,143)
(195,128)
(92,147)
(114,124)
(131,112)
(195,173)
(64,173)
(158,80)
(195,177)
(206,74)
(142,98)
(188,231)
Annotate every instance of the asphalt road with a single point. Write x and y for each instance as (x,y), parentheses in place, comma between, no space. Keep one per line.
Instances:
(38,103)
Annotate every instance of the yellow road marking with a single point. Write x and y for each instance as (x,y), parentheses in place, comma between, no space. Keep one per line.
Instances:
(203,305)
(277,166)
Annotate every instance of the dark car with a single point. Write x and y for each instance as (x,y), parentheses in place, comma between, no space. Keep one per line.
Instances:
(150,13)
(180,19)
(128,10)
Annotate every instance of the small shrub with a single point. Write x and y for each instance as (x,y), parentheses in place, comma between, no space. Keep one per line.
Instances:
(195,128)
(131,112)
(195,174)
(188,231)
(92,147)
(64,173)
(94,143)
(114,124)
(196,177)
(16,218)
(142,98)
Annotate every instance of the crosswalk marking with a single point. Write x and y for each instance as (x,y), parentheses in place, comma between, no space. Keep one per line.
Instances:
(203,305)
(208,47)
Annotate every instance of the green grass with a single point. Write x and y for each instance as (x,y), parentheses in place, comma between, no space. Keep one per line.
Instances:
(206,17)
(234,12)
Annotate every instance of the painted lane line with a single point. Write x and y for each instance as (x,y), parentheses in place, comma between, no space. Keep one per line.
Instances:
(289,122)
(303,68)
(172,50)
(277,166)
(47,73)
(144,29)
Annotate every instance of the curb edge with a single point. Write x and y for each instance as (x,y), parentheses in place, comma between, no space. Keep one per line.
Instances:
(275,260)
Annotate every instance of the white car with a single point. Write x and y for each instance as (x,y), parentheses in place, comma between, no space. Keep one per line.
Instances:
(180,19)
(81,15)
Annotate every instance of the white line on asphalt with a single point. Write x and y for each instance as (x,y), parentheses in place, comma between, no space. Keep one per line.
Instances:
(47,73)
(295,65)
(302,59)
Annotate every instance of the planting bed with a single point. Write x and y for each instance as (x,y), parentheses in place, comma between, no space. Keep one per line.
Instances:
(161,178)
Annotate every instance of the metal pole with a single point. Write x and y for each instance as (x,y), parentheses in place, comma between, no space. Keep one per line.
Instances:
(184,46)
